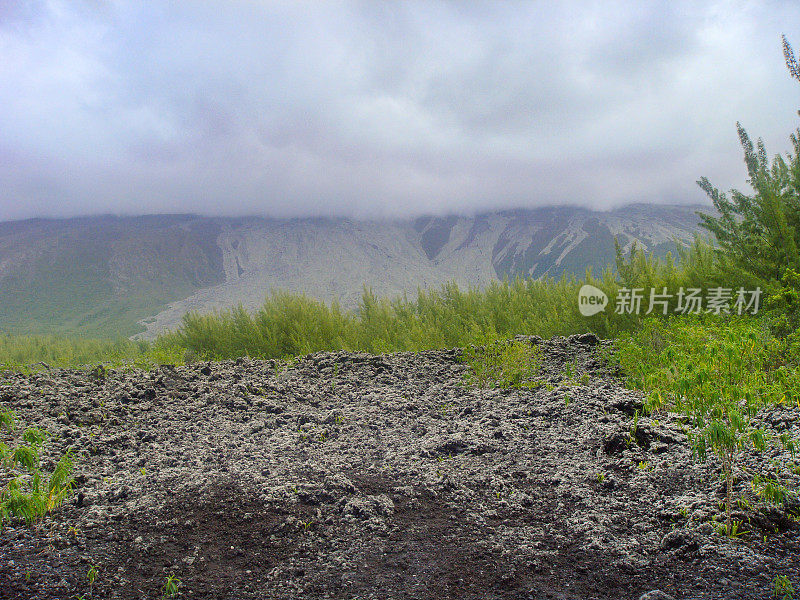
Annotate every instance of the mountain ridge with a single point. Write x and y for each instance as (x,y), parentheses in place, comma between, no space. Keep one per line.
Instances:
(137,275)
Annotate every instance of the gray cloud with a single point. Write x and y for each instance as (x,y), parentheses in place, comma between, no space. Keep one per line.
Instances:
(371,109)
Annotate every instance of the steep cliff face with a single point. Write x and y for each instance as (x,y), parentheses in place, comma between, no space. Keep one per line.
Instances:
(552,241)
(100,275)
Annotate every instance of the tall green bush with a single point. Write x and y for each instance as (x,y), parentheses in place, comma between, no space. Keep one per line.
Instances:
(718,373)
(450,316)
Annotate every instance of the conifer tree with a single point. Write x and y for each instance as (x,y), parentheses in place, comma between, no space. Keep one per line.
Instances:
(759,234)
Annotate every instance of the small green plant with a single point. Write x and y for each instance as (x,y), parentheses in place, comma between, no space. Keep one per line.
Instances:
(91,575)
(570,374)
(734,529)
(569,370)
(730,531)
(503,364)
(32,497)
(29,492)
(171,587)
(782,588)
(7,420)
(307,525)
(634,429)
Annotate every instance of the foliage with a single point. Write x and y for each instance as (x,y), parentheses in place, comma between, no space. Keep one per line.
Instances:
(791,61)
(771,490)
(20,352)
(171,587)
(717,373)
(782,588)
(289,324)
(286,325)
(29,493)
(784,309)
(505,364)
(91,575)
(696,267)
(758,235)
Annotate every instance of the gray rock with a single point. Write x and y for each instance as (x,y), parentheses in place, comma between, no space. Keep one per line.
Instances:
(656,595)
(368,469)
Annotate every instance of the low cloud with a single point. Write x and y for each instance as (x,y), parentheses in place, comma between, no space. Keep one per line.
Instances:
(381,109)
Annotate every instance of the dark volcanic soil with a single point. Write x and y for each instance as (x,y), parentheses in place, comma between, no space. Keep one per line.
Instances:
(356,476)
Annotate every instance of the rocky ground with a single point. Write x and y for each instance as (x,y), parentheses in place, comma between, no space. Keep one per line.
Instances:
(356,476)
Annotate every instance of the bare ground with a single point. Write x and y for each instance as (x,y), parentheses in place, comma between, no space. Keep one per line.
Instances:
(355,476)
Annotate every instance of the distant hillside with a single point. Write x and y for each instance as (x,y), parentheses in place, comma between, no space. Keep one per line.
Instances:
(98,276)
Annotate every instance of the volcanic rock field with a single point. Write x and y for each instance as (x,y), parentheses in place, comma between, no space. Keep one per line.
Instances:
(353,476)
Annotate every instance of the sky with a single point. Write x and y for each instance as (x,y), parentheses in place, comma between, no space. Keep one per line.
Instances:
(382,109)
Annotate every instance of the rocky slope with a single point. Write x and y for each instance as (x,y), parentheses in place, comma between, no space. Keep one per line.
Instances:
(100,275)
(358,476)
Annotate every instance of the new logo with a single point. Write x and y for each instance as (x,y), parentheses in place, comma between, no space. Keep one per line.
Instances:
(591,300)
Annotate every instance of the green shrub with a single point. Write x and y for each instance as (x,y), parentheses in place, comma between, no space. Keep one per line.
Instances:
(30,493)
(23,352)
(717,373)
(504,364)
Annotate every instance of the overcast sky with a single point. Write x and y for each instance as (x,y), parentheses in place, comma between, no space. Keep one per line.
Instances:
(382,108)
